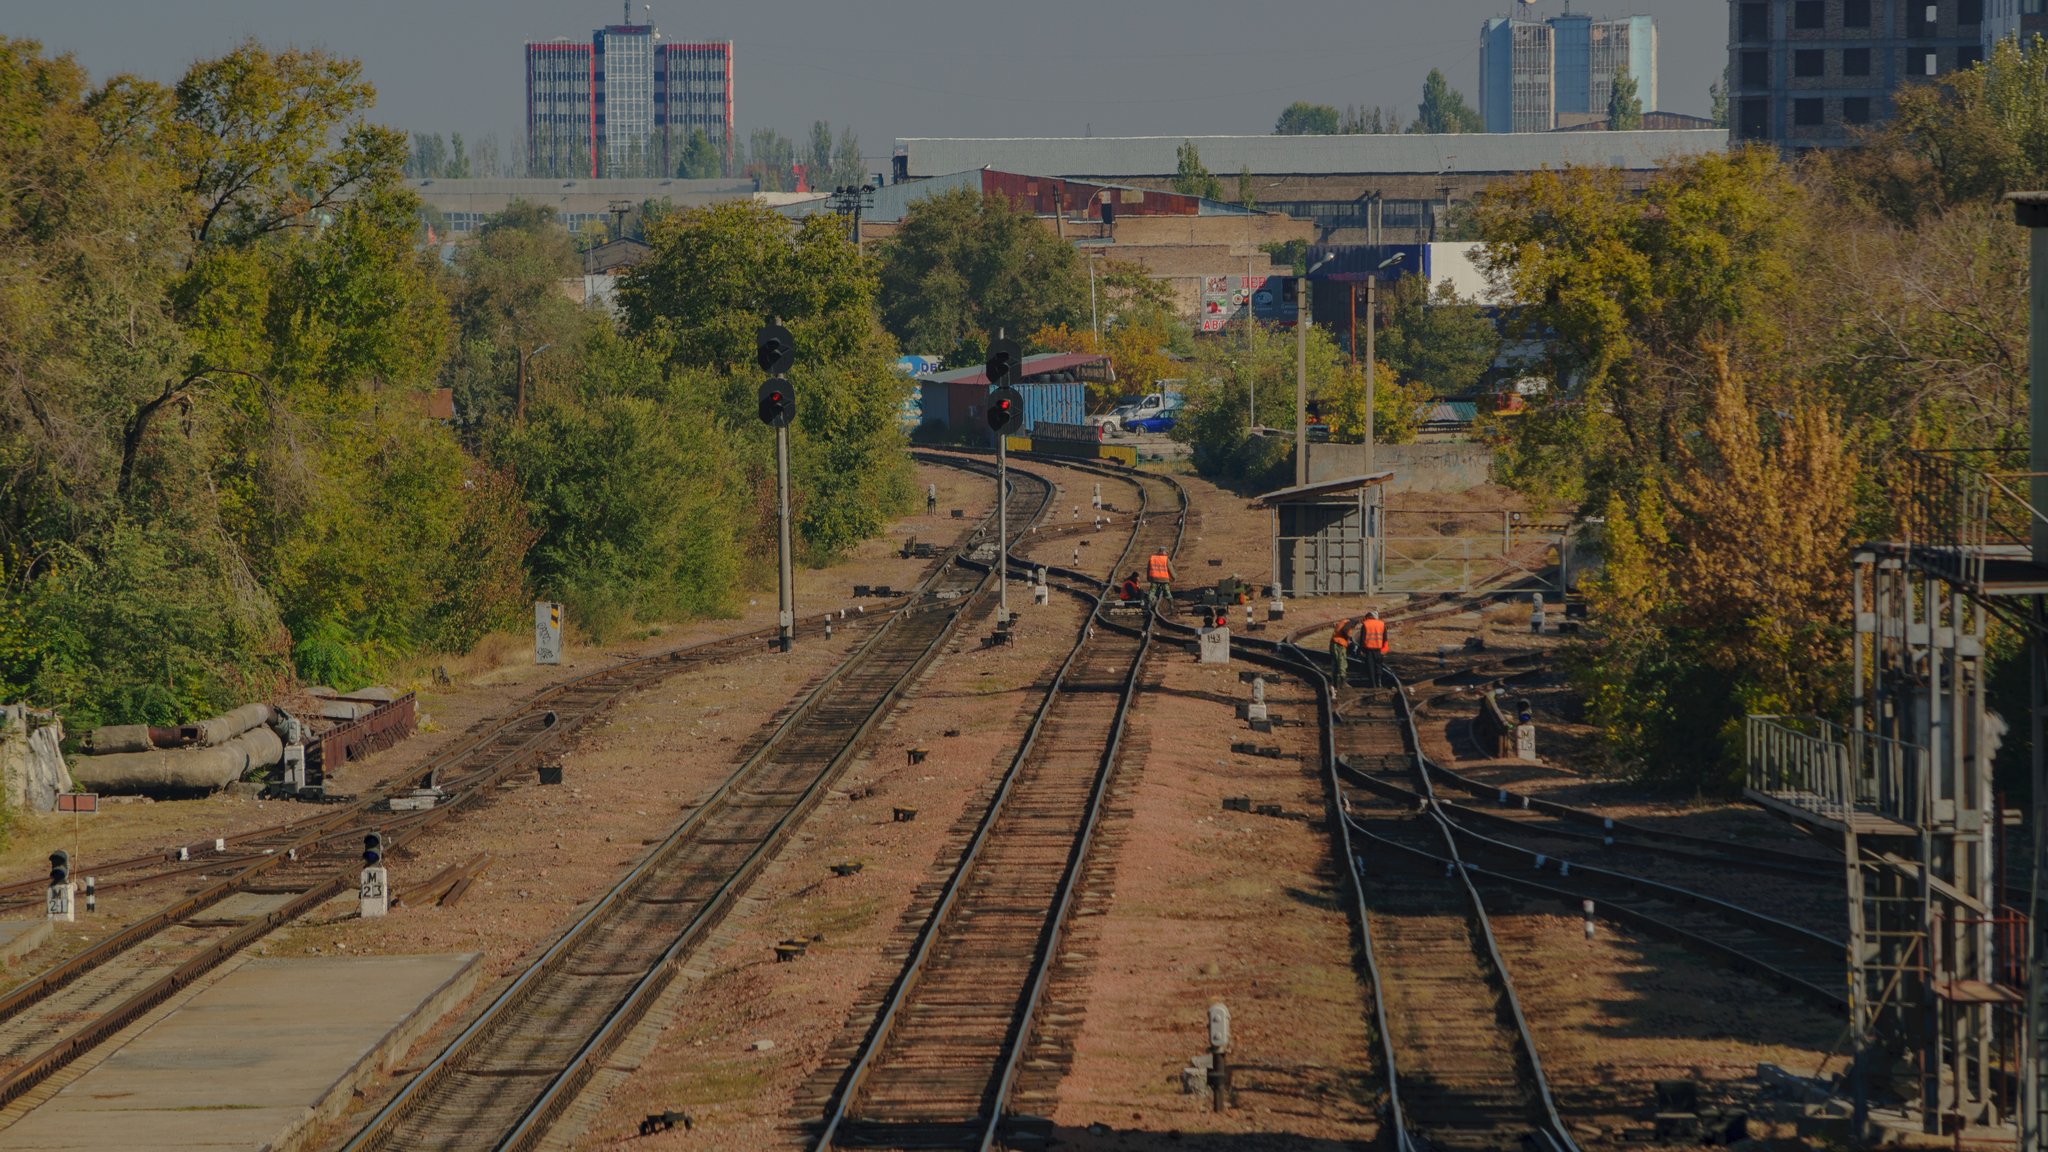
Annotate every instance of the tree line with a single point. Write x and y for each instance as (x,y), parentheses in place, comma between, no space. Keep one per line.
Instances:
(769,157)
(219,474)
(1737,361)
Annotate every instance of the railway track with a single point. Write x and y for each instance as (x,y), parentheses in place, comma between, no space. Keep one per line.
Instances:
(272,876)
(514,1071)
(937,1057)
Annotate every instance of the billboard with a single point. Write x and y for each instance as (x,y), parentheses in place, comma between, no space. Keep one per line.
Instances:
(1223,300)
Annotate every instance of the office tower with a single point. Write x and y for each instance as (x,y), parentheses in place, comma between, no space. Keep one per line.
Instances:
(625,104)
(1558,73)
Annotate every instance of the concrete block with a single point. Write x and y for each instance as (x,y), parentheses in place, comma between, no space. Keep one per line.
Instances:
(18,938)
(261,1059)
(1215,646)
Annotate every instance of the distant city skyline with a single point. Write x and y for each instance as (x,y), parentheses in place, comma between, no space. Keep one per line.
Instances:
(912,68)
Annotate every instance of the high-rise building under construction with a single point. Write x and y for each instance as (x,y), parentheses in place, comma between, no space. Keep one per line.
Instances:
(1536,75)
(626,104)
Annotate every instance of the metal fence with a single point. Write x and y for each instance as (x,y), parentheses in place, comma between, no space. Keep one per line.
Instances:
(1831,770)
(1968,505)
(1470,550)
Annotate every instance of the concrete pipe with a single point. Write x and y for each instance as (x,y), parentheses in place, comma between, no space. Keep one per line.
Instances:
(222,729)
(181,768)
(140,738)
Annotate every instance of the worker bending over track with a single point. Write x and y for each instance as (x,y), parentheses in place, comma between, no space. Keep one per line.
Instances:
(1129,589)
(1340,647)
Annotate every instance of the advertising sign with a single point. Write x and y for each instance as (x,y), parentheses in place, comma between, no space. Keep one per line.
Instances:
(1223,300)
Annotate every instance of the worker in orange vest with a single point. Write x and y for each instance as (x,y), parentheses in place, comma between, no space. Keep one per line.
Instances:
(1129,589)
(1372,642)
(1160,570)
(1340,647)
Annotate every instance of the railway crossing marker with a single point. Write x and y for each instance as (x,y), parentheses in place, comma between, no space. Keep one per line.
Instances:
(547,632)
(1219,1045)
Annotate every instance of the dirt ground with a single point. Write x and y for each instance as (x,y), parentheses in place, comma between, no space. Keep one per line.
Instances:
(1212,904)
(1207,903)
(968,711)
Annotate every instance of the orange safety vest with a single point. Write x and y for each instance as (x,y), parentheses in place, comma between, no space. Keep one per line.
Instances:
(1343,633)
(1375,639)
(1129,591)
(1161,569)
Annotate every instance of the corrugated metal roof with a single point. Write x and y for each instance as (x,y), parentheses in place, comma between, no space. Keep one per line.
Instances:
(892,202)
(1110,156)
(1326,488)
(1033,366)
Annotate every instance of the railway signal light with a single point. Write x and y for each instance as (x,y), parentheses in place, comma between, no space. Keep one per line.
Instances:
(373,849)
(60,867)
(777,403)
(1005,407)
(1005,363)
(774,349)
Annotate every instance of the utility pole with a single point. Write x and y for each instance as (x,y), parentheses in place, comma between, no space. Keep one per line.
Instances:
(523,357)
(1372,372)
(1304,315)
(1372,281)
(1094,320)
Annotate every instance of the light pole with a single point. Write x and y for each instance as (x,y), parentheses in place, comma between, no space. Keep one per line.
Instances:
(1303,317)
(1094,320)
(1372,365)
(523,358)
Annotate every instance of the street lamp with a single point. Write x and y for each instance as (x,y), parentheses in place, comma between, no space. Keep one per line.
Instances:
(1372,281)
(523,358)
(1303,315)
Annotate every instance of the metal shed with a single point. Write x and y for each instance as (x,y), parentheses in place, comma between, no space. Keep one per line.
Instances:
(1325,536)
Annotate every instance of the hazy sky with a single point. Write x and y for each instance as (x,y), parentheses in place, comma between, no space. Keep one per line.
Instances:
(895,68)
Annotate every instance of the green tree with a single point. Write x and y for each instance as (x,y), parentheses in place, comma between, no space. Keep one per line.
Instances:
(457,167)
(1372,121)
(1621,291)
(1435,339)
(847,166)
(1221,377)
(1717,95)
(1443,108)
(273,141)
(964,265)
(1247,194)
(1304,119)
(1192,179)
(1624,107)
(821,155)
(506,298)
(701,158)
(769,156)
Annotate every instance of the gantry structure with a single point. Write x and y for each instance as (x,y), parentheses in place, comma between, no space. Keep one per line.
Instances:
(1947,961)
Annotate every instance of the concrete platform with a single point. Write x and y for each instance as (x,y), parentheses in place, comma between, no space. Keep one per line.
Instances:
(18,938)
(256,1061)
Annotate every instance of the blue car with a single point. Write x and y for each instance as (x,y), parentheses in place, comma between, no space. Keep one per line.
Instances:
(1162,422)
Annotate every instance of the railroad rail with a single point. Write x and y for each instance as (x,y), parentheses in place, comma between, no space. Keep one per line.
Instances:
(289,869)
(939,1061)
(512,1073)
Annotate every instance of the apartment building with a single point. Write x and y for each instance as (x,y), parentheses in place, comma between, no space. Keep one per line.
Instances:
(1813,73)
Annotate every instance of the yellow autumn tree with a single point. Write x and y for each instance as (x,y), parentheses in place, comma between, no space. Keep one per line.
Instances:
(1722,590)
(1398,408)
